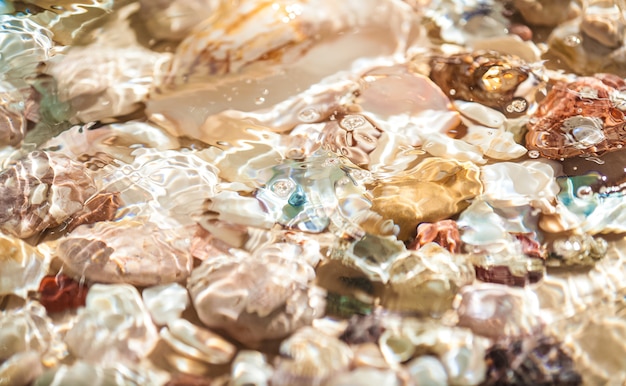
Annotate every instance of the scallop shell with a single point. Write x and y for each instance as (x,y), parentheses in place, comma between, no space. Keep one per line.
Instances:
(309,357)
(106,82)
(22,267)
(113,327)
(485,77)
(579,118)
(265,295)
(498,311)
(133,251)
(435,190)
(197,342)
(250,367)
(42,191)
(165,302)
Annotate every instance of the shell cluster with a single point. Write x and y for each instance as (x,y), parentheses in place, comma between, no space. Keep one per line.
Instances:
(312,192)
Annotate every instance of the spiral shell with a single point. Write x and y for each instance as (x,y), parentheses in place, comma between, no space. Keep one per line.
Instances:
(42,191)
(265,295)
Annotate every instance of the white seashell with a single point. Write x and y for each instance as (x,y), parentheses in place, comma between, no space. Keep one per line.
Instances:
(21,369)
(516,184)
(197,342)
(132,250)
(250,368)
(440,145)
(427,370)
(265,295)
(23,267)
(83,373)
(510,45)
(365,377)
(494,143)
(103,82)
(497,311)
(165,302)
(481,114)
(309,357)
(395,348)
(173,20)
(114,326)
(231,207)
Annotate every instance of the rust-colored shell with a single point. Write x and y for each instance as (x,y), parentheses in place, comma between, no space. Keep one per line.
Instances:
(584,117)
(444,233)
(60,292)
(42,191)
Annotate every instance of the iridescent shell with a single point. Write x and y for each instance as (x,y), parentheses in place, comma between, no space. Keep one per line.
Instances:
(12,115)
(24,44)
(444,232)
(134,251)
(197,343)
(434,190)
(106,82)
(583,117)
(535,360)
(250,367)
(22,267)
(497,311)
(113,327)
(165,302)
(58,293)
(432,275)
(42,191)
(265,295)
(486,77)
(309,357)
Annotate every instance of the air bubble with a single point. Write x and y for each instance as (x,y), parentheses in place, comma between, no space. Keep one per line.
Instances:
(309,115)
(572,40)
(533,154)
(283,188)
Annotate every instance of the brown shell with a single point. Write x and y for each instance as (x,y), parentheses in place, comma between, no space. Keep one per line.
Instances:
(42,191)
(12,125)
(60,292)
(353,136)
(588,99)
(444,233)
(485,77)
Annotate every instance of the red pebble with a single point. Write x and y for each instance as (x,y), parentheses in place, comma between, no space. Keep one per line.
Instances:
(60,292)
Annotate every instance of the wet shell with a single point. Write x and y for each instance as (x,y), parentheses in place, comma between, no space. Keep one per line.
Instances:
(265,295)
(83,373)
(42,191)
(59,292)
(12,116)
(444,232)
(169,20)
(352,136)
(365,377)
(435,190)
(546,12)
(106,82)
(309,357)
(21,369)
(22,267)
(133,251)
(197,342)
(165,302)
(114,326)
(579,118)
(485,77)
(250,367)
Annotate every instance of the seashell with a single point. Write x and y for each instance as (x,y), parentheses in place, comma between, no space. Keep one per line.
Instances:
(197,342)
(546,12)
(42,191)
(364,377)
(100,207)
(28,329)
(517,275)
(494,143)
(106,82)
(352,136)
(576,249)
(603,21)
(368,355)
(439,145)
(510,184)
(250,368)
(24,44)
(395,348)
(427,370)
(497,311)
(264,295)
(58,293)
(133,251)
(444,232)
(181,379)
(518,43)
(97,144)
(172,183)
(309,357)
(409,200)
(431,275)
(486,77)
(534,360)
(12,117)
(23,267)
(21,369)
(480,114)
(578,118)
(84,373)
(165,302)
(113,327)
